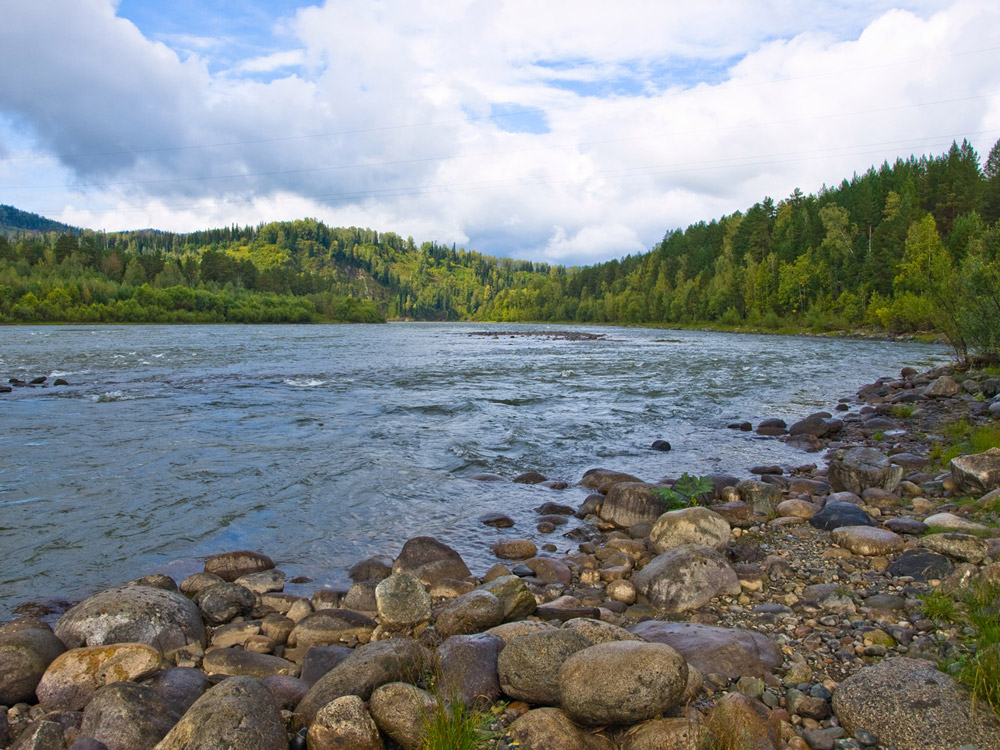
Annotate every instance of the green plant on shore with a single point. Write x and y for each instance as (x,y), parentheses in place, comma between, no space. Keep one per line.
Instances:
(939,606)
(878,435)
(685,491)
(964,438)
(454,726)
(903,411)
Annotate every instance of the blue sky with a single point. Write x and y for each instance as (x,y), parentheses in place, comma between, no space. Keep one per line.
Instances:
(570,131)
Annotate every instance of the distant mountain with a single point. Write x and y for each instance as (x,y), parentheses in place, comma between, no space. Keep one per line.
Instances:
(14,222)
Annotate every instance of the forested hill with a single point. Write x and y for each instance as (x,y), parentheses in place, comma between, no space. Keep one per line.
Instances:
(15,223)
(909,246)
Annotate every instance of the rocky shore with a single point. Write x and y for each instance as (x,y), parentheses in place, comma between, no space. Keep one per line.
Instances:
(787,610)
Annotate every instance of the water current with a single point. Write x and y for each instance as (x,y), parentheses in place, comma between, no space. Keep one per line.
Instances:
(321,445)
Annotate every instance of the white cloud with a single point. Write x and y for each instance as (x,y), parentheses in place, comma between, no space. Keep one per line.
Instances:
(657,114)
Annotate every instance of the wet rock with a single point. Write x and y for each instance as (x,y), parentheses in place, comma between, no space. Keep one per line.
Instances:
(686,578)
(375,568)
(551,729)
(496,520)
(660,445)
(198,581)
(236,661)
(908,703)
(977,474)
(515,597)
(554,509)
(467,666)
(133,614)
(529,665)
(715,650)
(867,540)
(231,565)
(402,711)
(402,600)
(126,716)
(224,601)
(922,565)
(156,581)
(237,714)
(602,480)
(73,678)
(514,549)
(344,724)
(430,561)
(638,682)
(835,515)
(957,545)
(629,503)
(697,526)
(772,427)
(27,648)
(857,469)
(474,612)
(371,665)
(530,477)
(815,425)
(807,443)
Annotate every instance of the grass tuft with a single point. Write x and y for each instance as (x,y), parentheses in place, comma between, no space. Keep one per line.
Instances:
(456,727)
(939,606)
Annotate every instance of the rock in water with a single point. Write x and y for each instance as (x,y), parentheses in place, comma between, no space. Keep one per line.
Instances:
(908,703)
(237,714)
(430,561)
(638,682)
(231,565)
(133,614)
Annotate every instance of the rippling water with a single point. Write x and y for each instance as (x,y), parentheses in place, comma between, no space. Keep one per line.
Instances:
(320,445)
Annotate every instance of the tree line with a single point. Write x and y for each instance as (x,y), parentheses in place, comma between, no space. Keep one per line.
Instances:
(905,247)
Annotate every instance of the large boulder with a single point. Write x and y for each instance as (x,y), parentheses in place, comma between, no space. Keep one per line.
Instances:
(133,614)
(763,498)
(631,503)
(551,729)
(27,648)
(402,711)
(710,649)
(977,474)
(857,469)
(329,627)
(237,714)
(231,565)
(473,612)
(835,515)
(515,597)
(126,716)
(371,665)
(685,578)
(922,564)
(866,540)
(74,676)
(529,665)
(467,669)
(637,682)
(908,703)
(430,561)
(957,545)
(222,602)
(698,526)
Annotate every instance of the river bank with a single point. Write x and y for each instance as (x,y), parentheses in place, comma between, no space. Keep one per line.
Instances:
(793,606)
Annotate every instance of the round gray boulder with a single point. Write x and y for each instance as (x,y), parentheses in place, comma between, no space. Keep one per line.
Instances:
(126,716)
(698,526)
(401,599)
(529,665)
(27,648)
(686,577)
(430,561)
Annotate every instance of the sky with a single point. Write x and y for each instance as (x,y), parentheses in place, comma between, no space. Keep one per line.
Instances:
(563,131)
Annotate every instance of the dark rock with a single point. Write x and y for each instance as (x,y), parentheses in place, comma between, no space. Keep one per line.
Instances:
(38,381)
(41,735)
(496,520)
(772,427)
(629,503)
(180,687)
(806,443)
(321,659)
(375,568)
(27,648)
(602,480)
(909,526)
(590,505)
(60,381)
(815,425)
(467,665)
(287,691)
(554,509)
(660,445)
(231,565)
(715,650)
(126,716)
(551,729)
(430,561)
(136,614)
(224,601)
(743,426)
(769,469)
(486,477)
(469,613)
(515,597)
(530,477)
(834,515)
(236,661)
(529,665)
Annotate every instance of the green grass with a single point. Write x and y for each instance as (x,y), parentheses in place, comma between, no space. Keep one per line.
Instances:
(903,411)
(964,438)
(456,727)
(939,606)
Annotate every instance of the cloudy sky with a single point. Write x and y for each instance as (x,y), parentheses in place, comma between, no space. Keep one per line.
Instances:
(569,131)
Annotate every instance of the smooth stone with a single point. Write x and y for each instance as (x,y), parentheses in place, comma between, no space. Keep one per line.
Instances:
(957,545)
(951,522)
(630,503)
(401,711)
(910,526)
(371,665)
(236,661)
(224,601)
(867,540)
(602,480)
(430,561)
(638,682)
(528,666)
(697,526)
(715,650)
(74,676)
(514,596)
(551,729)
(474,612)
(835,514)
(263,582)
(198,581)
(133,614)
(554,509)
(321,659)
(908,703)
(329,627)
(660,445)
(287,691)
(27,648)
(373,568)
(662,734)
(344,724)
(599,631)
(401,599)
(496,520)
(467,668)
(126,716)
(180,687)
(360,598)
(514,549)
(685,578)
(550,570)
(921,565)
(511,630)
(231,565)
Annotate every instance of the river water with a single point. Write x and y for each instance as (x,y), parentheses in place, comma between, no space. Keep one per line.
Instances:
(321,445)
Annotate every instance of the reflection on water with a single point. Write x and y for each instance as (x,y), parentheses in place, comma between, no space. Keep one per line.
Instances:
(323,444)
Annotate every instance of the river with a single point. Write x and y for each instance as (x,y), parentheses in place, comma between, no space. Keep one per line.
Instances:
(321,445)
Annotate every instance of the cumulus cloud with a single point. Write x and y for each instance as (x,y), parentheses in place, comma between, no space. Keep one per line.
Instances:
(570,131)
